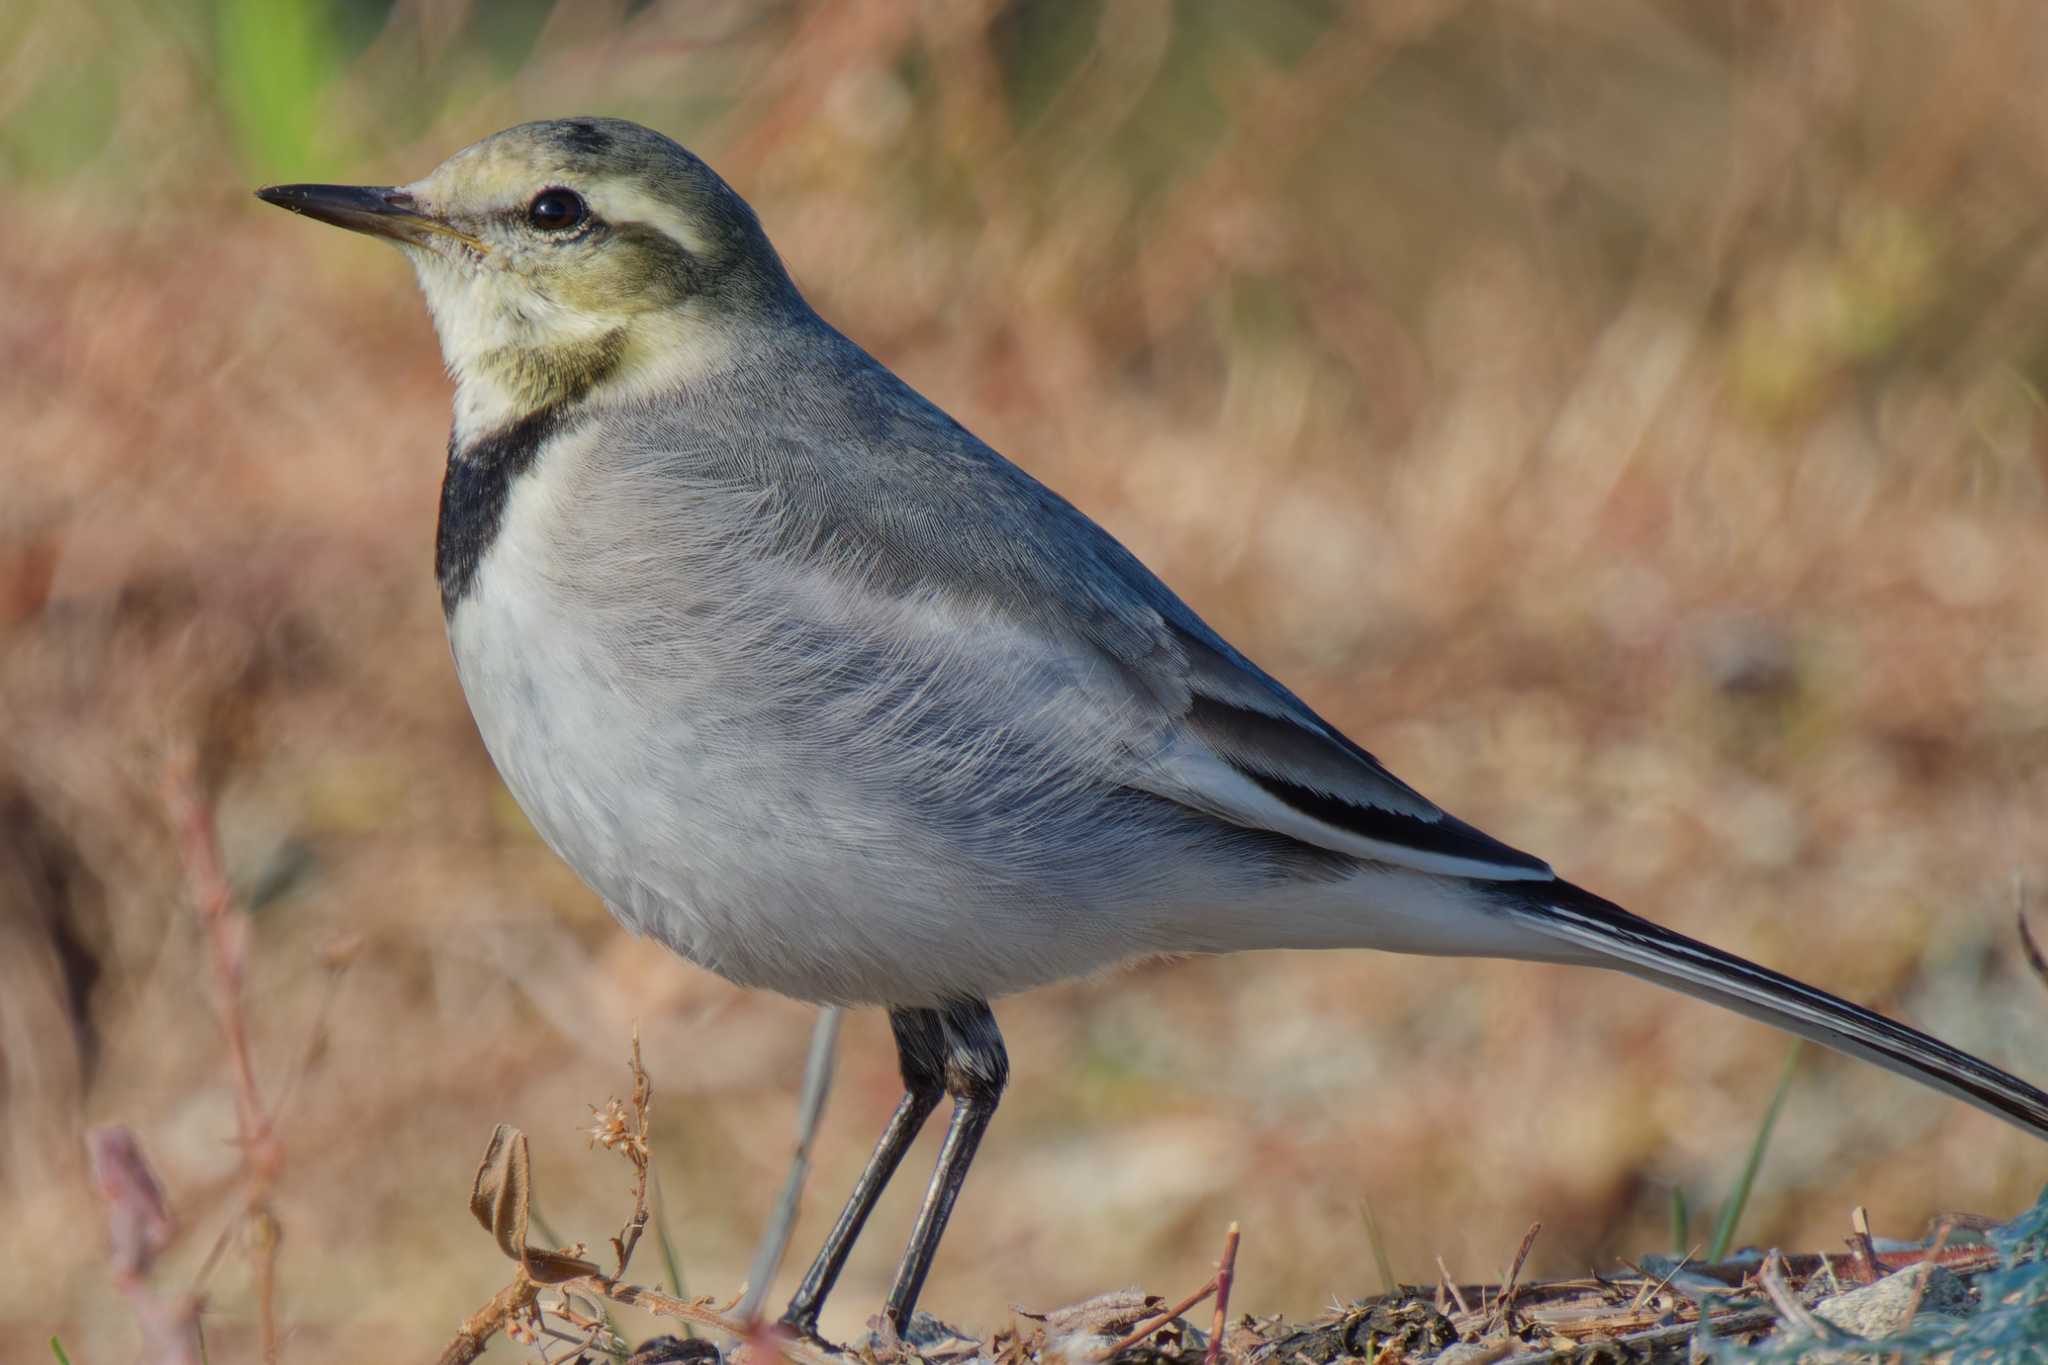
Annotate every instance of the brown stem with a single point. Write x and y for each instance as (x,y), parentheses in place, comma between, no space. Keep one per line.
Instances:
(637,1152)
(479,1327)
(1506,1305)
(226,936)
(1226,1270)
(1147,1328)
(698,1311)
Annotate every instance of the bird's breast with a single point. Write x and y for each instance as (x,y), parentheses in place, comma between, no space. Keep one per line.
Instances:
(787,768)
(575,643)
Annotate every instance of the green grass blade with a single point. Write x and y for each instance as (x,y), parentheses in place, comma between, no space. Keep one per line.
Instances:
(671,1264)
(1731,1212)
(1388,1285)
(540,1225)
(57,1350)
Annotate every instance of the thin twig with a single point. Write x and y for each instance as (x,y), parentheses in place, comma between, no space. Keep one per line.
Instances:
(611,1132)
(522,1296)
(1151,1325)
(590,1327)
(1505,1305)
(1226,1270)
(701,1312)
(1650,1292)
(817,1085)
(479,1327)
(1862,1251)
(573,1351)
(227,941)
(1920,1284)
(336,962)
(1772,1278)
(1748,1320)
(212,897)
(265,1233)
(1452,1285)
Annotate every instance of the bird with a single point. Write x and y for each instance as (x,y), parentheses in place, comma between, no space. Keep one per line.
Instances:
(811,685)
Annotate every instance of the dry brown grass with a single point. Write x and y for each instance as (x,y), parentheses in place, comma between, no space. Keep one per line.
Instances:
(1625,418)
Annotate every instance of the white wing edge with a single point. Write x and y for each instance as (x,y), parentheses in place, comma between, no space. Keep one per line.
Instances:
(1189,772)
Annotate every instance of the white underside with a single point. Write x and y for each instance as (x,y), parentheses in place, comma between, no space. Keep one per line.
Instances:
(745,778)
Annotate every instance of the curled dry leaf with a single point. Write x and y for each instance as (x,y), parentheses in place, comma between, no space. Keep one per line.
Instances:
(502,1199)
(1111,1314)
(137,1218)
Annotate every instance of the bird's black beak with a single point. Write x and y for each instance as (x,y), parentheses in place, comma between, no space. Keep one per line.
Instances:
(377,210)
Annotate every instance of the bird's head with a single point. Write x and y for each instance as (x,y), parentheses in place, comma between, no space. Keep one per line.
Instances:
(568,257)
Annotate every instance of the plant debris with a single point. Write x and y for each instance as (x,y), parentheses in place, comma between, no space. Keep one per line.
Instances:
(1971,1285)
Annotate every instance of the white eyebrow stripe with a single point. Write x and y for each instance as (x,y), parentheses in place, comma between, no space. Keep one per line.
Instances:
(628,204)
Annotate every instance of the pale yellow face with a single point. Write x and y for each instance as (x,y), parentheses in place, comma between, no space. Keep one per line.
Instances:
(560,257)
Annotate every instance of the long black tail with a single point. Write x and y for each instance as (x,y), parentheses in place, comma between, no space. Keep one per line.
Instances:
(1610,936)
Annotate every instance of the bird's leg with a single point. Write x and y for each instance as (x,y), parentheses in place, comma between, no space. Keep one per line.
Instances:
(920,1051)
(976,1068)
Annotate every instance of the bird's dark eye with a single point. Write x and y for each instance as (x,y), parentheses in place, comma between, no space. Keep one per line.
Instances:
(556,210)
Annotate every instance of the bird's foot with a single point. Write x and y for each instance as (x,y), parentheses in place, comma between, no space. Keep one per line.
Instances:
(804,1327)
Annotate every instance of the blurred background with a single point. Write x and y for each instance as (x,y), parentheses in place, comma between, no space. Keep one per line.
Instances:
(1624,416)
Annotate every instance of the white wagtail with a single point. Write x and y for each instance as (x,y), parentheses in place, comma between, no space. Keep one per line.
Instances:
(817,689)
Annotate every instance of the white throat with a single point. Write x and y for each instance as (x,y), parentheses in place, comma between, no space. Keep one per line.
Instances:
(511,351)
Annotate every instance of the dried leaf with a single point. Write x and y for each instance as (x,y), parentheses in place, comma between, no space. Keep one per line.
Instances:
(501,1194)
(1105,1315)
(557,1267)
(137,1219)
(501,1197)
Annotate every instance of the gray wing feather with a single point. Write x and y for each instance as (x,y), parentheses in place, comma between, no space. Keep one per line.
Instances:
(870,467)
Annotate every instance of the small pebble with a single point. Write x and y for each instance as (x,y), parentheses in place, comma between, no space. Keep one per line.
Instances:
(1879,1310)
